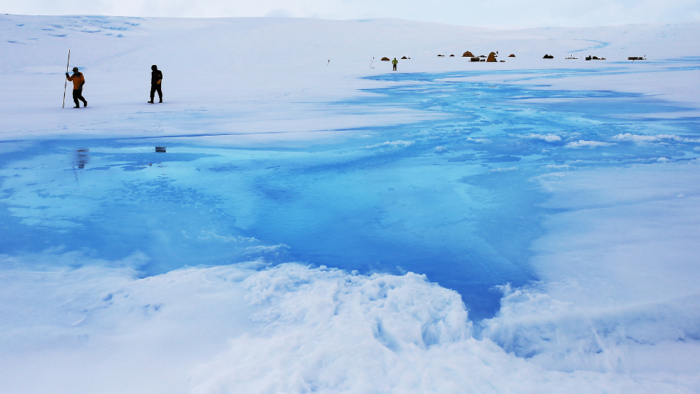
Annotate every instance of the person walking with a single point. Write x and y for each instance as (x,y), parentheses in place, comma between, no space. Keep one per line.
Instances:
(394,62)
(156,79)
(78,81)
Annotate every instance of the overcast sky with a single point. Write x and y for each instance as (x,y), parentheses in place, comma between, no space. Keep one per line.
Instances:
(496,13)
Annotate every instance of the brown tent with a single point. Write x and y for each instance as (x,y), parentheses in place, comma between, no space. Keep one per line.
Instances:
(452,55)
(385,59)
(511,55)
(441,55)
(468,54)
(492,57)
(404,58)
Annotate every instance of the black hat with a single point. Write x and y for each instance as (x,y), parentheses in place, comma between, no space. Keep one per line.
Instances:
(154,67)
(75,68)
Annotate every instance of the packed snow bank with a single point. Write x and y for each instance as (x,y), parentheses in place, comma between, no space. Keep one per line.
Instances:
(100,328)
(619,271)
(285,329)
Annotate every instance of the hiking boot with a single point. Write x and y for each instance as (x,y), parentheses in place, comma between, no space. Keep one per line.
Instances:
(150,102)
(161,101)
(77,106)
(85,105)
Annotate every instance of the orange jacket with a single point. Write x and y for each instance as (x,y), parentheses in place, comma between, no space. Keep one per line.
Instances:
(78,80)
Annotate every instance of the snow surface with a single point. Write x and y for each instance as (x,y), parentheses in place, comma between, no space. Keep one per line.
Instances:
(316,226)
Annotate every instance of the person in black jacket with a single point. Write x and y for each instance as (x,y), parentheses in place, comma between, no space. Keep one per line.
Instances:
(156,79)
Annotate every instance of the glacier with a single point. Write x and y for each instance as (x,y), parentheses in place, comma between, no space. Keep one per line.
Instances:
(518,229)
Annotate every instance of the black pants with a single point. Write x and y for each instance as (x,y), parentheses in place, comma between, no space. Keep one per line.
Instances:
(156,88)
(78,95)
(394,67)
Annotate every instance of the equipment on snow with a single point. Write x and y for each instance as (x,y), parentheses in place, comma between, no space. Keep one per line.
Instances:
(65,84)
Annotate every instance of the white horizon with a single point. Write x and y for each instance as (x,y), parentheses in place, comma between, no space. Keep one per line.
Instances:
(495,14)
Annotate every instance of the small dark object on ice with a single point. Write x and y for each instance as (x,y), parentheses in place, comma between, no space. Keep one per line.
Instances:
(160,149)
(546,56)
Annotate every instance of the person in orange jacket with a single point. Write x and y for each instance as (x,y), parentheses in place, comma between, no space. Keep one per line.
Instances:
(78,82)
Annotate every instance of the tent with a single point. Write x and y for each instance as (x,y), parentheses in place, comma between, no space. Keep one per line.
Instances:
(492,57)
(511,55)
(468,54)
(385,59)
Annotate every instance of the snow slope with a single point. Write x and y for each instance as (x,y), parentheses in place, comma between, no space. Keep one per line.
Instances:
(527,226)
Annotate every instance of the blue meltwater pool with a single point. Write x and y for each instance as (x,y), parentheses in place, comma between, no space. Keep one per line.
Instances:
(454,199)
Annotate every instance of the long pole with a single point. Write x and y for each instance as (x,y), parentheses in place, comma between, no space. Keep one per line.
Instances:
(65,84)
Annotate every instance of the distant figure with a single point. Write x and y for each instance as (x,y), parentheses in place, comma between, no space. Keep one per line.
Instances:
(78,82)
(394,62)
(156,78)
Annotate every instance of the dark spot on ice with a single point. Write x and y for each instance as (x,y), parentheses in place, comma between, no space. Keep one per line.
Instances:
(465,157)
(108,298)
(223,168)
(501,159)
